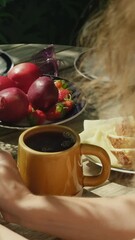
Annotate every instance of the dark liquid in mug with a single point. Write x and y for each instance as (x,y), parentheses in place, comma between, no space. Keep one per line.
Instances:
(51,141)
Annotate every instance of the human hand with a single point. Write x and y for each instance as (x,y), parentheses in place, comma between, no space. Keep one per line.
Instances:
(12,187)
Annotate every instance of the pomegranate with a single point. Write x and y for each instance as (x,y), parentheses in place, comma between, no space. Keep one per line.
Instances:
(43,93)
(13,105)
(24,74)
(6,82)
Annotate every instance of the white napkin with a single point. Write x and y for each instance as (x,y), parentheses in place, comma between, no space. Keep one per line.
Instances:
(96,132)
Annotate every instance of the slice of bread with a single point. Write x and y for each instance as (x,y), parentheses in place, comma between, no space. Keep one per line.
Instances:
(125,157)
(116,136)
(121,141)
(126,127)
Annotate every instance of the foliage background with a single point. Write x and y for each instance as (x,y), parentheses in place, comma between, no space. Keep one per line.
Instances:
(44,21)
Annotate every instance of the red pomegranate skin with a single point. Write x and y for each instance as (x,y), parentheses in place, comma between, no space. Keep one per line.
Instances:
(43,93)
(13,105)
(6,82)
(24,74)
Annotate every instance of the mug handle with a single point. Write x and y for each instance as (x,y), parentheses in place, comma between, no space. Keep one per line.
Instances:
(89,149)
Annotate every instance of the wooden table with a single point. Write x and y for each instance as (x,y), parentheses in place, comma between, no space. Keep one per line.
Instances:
(118,183)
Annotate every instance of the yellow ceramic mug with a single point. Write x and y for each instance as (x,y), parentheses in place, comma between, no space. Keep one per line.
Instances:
(49,160)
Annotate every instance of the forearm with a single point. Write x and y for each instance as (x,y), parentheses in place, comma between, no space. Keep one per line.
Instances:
(80,218)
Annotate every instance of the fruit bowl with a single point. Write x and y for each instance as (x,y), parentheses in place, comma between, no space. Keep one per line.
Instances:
(45,98)
(79,104)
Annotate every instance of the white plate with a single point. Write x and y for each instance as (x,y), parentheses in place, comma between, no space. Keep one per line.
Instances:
(80,105)
(113,168)
(95,132)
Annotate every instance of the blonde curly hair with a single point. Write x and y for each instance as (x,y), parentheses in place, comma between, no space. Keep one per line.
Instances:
(111,36)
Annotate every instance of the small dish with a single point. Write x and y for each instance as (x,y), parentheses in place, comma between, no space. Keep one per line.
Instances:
(6,63)
(89,67)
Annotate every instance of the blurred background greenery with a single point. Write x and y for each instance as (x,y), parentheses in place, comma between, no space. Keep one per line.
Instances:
(44,21)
